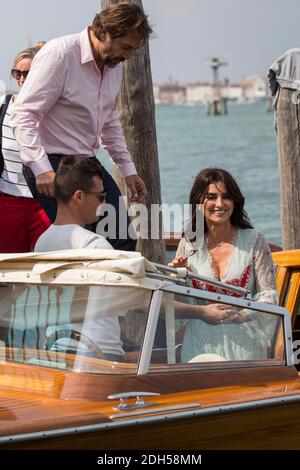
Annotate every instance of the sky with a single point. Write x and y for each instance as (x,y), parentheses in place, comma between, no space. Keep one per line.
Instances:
(248,34)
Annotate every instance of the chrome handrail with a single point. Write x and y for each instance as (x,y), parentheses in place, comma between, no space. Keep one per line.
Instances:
(190,275)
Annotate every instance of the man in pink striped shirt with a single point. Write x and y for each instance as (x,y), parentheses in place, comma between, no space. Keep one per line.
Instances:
(67,104)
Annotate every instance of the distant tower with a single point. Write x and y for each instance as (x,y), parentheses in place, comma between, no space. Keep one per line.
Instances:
(216,104)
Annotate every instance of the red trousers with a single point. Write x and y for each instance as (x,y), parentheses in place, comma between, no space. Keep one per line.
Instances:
(22,221)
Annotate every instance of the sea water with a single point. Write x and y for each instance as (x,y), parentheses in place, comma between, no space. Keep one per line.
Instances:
(242,142)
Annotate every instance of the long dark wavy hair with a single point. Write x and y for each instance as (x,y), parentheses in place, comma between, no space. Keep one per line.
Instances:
(208,176)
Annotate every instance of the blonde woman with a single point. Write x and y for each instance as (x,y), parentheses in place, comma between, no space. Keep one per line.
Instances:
(22,218)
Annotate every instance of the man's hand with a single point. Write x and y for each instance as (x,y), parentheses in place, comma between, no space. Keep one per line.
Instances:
(137,187)
(45,183)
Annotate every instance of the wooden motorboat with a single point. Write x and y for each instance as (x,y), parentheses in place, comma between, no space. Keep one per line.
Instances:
(70,381)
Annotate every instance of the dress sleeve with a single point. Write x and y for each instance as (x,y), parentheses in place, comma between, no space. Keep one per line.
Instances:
(181,248)
(264,270)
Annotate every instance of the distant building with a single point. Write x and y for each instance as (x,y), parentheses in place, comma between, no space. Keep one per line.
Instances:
(254,88)
(156,89)
(170,93)
(204,92)
(231,92)
(198,92)
(250,88)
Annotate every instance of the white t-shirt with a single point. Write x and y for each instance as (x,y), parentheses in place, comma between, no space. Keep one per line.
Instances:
(105,332)
(68,237)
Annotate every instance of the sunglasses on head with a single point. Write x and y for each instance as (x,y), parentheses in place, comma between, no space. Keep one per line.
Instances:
(17,74)
(101,196)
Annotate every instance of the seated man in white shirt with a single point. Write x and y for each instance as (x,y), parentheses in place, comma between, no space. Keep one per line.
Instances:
(79,194)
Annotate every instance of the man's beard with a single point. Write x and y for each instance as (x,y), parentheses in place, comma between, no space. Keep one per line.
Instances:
(114,62)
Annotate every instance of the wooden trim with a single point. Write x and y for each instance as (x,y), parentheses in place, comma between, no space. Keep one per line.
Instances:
(288,287)
(289,258)
(49,382)
(173,238)
(282,280)
(292,300)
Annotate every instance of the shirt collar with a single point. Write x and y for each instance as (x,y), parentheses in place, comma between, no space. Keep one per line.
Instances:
(85,47)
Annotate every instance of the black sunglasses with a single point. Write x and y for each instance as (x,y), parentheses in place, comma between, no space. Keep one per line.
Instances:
(101,196)
(17,74)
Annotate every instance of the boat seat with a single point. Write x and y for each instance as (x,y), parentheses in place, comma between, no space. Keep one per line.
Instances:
(288,284)
(288,287)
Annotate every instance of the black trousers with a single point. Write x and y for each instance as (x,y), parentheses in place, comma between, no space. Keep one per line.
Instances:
(119,242)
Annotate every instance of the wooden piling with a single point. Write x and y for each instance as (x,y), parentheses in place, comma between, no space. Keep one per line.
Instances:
(288,125)
(217,104)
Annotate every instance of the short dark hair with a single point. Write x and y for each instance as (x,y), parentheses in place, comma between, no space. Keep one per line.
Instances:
(121,19)
(75,172)
(208,176)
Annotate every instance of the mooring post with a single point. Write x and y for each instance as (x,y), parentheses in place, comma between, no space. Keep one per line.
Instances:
(288,129)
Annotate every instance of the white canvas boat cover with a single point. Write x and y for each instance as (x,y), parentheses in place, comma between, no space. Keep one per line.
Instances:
(96,266)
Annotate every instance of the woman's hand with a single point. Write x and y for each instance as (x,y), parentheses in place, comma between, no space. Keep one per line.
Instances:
(215,314)
(179,262)
(238,316)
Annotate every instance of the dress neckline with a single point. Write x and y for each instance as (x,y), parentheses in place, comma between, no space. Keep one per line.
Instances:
(230,261)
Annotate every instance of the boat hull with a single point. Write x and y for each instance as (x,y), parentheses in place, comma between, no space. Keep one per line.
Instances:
(268,428)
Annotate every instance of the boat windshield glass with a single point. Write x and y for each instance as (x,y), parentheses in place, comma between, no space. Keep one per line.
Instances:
(192,330)
(95,328)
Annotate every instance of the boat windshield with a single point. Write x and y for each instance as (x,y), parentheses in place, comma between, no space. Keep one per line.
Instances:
(86,328)
(192,330)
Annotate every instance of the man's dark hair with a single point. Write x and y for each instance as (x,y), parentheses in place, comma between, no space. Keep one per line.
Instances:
(75,172)
(121,19)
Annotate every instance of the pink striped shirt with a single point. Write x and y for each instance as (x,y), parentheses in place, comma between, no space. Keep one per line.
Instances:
(67,106)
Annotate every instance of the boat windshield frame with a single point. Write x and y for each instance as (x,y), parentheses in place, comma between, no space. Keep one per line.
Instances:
(250,304)
(59,273)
